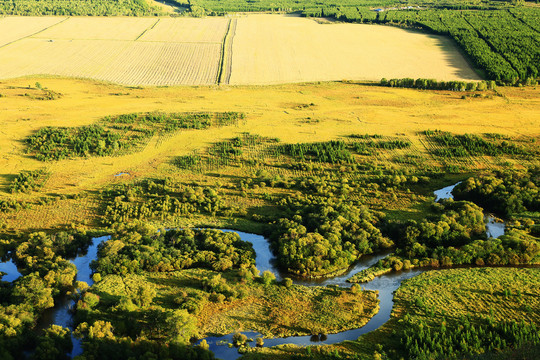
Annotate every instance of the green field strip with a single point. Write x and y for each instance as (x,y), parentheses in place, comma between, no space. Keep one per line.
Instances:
(146,30)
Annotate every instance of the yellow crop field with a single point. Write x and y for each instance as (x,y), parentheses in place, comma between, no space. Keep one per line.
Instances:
(188,30)
(163,64)
(259,49)
(270,49)
(17,27)
(98,28)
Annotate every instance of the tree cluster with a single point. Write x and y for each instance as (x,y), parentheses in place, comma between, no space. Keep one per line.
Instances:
(118,133)
(505,193)
(432,84)
(448,145)
(158,199)
(28,181)
(133,252)
(323,235)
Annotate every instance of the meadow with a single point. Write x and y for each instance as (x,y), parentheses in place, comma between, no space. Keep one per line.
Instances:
(272,310)
(253,49)
(292,113)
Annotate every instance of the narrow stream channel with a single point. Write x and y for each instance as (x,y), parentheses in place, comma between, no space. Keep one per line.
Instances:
(62,313)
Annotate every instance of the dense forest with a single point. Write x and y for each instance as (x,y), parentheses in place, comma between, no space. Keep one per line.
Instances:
(322,235)
(464,339)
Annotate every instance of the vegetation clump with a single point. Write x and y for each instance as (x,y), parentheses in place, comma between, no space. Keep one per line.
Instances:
(114,135)
(324,235)
(464,338)
(432,84)
(28,181)
(451,146)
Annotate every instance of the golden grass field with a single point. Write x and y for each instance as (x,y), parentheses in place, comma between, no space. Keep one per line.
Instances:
(293,113)
(266,49)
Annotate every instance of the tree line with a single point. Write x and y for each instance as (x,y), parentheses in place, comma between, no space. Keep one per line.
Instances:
(78,8)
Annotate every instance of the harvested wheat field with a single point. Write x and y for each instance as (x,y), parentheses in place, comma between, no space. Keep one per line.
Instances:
(271,49)
(128,51)
(128,63)
(259,49)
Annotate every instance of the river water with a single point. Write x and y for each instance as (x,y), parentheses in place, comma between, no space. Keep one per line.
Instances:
(9,269)
(494,229)
(62,313)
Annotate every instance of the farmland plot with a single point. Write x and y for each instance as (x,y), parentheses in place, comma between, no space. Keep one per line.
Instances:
(123,62)
(164,64)
(18,27)
(275,49)
(174,52)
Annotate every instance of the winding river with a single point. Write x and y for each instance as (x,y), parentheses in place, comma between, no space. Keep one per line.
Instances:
(62,313)
(385,284)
